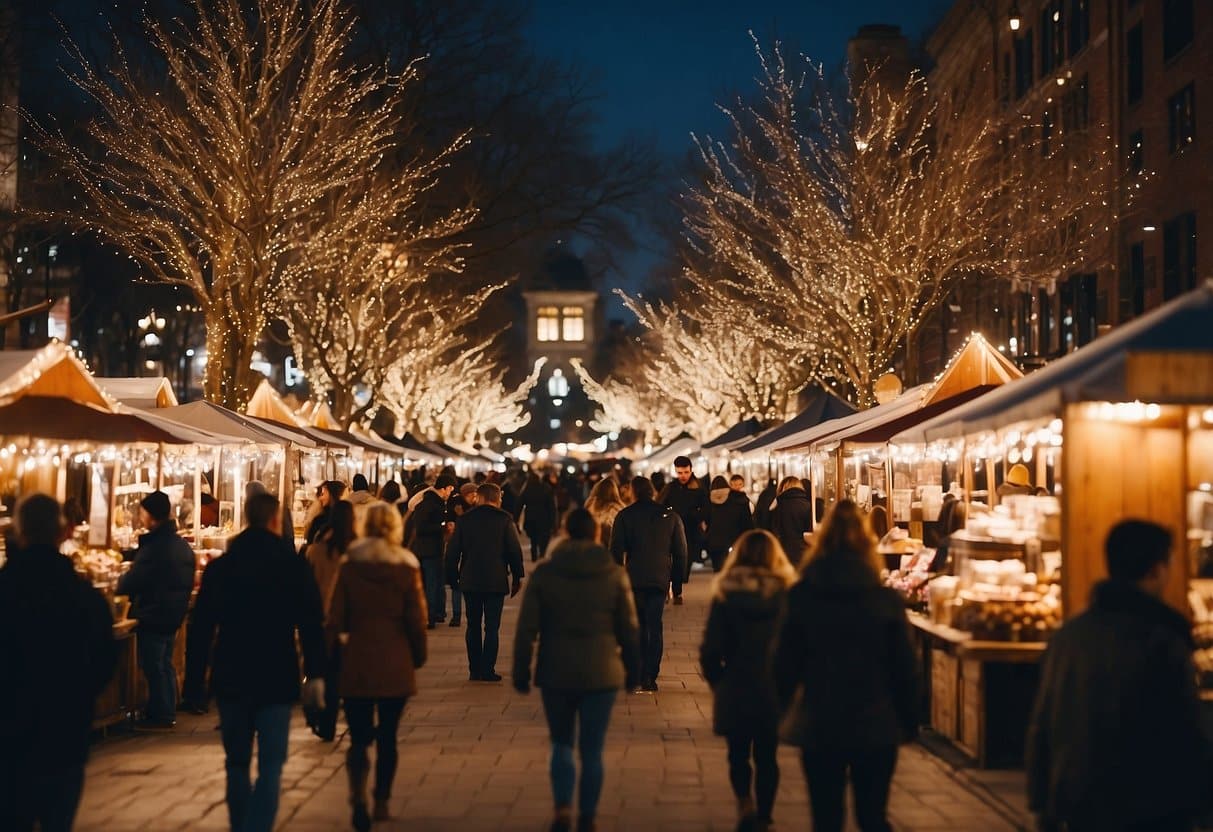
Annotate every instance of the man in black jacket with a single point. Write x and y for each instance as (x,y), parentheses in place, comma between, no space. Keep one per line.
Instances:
(690,500)
(792,517)
(484,560)
(649,541)
(57,653)
(426,529)
(257,596)
(1115,738)
(159,584)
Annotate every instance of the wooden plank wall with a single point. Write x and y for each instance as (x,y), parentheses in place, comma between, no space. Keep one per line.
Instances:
(1116,471)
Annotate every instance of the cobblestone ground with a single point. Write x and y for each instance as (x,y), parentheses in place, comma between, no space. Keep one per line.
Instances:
(474,756)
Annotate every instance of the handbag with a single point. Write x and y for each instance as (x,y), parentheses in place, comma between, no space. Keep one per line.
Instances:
(793,725)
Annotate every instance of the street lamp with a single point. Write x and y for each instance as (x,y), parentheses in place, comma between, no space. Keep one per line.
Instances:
(1014,18)
(150,327)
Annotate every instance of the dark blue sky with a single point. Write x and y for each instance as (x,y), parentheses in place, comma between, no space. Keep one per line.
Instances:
(663,65)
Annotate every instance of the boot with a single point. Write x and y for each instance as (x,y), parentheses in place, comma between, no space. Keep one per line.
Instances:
(381,810)
(586,824)
(358,768)
(745,808)
(563,821)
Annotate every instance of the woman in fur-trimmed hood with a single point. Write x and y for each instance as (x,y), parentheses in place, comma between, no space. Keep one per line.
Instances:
(749,597)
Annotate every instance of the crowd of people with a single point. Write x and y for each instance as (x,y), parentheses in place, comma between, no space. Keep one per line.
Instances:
(803,644)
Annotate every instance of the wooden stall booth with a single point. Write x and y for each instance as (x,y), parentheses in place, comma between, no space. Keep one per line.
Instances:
(1122,428)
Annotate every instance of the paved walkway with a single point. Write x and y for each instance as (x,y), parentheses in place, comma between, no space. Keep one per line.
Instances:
(474,756)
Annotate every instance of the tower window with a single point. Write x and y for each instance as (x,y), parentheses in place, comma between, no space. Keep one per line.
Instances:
(573,323)
(548,324)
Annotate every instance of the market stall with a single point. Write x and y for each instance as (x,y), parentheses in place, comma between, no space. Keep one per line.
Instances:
(718,451)
(140,393)
(756,458)
(1047,465)
(662,458)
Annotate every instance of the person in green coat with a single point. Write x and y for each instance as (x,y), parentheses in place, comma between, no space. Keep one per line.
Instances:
(579,605)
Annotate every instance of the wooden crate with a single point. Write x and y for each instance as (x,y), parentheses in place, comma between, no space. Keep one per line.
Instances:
(971,736)
(944,678)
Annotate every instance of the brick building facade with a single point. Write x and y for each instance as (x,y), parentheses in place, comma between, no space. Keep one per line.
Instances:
(1131,72)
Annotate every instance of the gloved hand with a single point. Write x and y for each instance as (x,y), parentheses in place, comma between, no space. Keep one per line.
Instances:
(313,693)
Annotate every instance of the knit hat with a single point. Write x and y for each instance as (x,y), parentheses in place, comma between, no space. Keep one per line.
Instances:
(157,505)
(445,481)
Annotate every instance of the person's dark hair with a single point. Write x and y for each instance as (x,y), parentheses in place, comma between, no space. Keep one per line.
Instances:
(489,493)
(719,482)
(682,462)
(73,512)
(39,521)
(658,480)
(642,489)
(359,483)
(390,493)
(580,525)
(445,481)
(335,488)
(480,478)
(260,510)
(1134,547)
(736,478)
(341,528)
(845,536)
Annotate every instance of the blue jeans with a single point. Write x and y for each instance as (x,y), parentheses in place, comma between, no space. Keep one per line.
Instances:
(650,607)
(482,644)
(435,588)
(156,662)
(456,604)
(253,808)
(563,708)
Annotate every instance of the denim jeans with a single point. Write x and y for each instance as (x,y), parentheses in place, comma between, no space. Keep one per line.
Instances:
(253,808)
(592,709)
(30,795)
(156,662)
(360,714)
(650,606)
(482,644)
(435,588)
(871,771)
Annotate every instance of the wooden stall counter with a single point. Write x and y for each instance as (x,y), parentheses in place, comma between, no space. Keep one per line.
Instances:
(117,701)
(979,693)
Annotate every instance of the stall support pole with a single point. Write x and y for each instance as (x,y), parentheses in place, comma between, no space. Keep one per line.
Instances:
(198,506)
(238,479)
(160,467)
(61,479)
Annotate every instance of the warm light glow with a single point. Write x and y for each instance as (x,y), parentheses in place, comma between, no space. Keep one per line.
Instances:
(548,324)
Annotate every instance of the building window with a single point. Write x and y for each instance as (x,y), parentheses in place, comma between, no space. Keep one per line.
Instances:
(1052,38)
(1135,55)
(1179,255)
(1137,161)
(1023,64)
(1133,284)
(572,323)
(1080,25)
(548,323)
(1178,23)
(1079,303)
(1181,117)
(1076,106)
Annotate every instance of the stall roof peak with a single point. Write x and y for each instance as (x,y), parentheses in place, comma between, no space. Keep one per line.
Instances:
(52,371)
(978,364)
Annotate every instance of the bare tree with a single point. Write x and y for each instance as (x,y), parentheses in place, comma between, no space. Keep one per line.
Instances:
(262,158)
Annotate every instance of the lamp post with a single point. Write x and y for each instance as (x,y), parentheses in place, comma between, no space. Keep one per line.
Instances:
(151,326)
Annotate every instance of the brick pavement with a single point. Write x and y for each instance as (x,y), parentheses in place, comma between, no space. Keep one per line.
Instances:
(473,756)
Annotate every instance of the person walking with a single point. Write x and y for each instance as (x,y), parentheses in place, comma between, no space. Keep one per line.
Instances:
(359,497)
(792,517)
(749,597)
(537,507)
(685,495)
(58,653)
(325,556)
(578,603)
(843,625)
(649,542)
(1114,740)
(328,494)
(425,533)
(484,560)
(159,584)
(728,517)
(604,504)
(252,604)
(379,617)
(764,505)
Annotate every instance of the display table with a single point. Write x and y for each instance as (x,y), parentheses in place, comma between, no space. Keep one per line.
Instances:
(117,703)
(978,693)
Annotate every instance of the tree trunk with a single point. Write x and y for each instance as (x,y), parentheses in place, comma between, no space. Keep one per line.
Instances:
(230,344)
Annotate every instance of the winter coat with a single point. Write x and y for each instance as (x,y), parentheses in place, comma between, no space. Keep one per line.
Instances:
(427,526)
(255,597)
(792,517)
(379,608)
(160,580)
(738,648)
(57,651)
(763,507)
(1115,737)
(728,516)
(579,604)
(484,553)
(648,540)
(691,504)
(537,506)
(360,500)
(325,565)
(846,640)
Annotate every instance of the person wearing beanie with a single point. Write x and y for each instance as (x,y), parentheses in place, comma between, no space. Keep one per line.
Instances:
(360,497)
(159,584)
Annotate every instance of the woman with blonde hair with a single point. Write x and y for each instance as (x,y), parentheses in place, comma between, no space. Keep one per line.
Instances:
(844,626)
(603,504)
(749,596)
(378,615)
